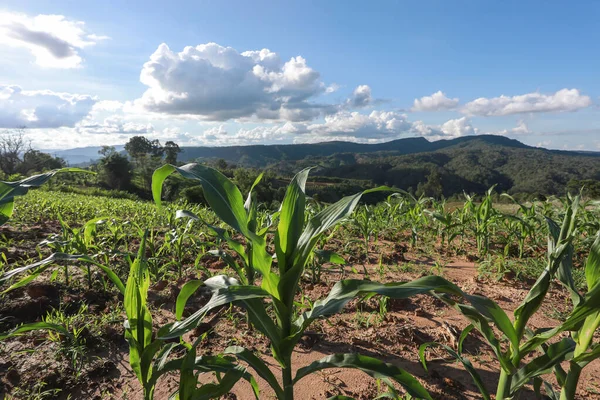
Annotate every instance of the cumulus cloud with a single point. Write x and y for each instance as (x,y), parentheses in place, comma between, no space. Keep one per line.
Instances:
(448,130)
(436,102)
(458,127)
(376,125)
(334,87)
(520,129)
(361,97)
(114,125)
(563,100)
(54,40)
(42,108)
(217,83)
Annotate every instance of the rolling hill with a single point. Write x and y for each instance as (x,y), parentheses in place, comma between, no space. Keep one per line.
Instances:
(448,167)
(264,155)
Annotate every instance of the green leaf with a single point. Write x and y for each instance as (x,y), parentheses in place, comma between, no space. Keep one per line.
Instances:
(34,326)
(317,225)
(224,386)
(27,279)
(48,260)
(330,256)
(225,199)
(258,365)
(592,265)
(248,202)
(344,291)
(554,354)
(291,220)
(465,362)
(231,262)
(587,357)
(490,310)
(221,194)
(371,366)
(219,298)
(109,272)
(186,291)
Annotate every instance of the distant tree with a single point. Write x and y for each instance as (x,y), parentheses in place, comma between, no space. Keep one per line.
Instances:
(107,150)
(433,187)
(144,169)
(221,164)
(13,145)
(156,150)
(590,187)
(115,171)
(147,155)
(36,161)
(171,150)
(139,146)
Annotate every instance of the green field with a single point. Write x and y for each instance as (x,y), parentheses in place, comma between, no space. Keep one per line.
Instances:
(406,298)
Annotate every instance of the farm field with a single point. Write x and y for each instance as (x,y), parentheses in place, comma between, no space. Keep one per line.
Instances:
(113,298)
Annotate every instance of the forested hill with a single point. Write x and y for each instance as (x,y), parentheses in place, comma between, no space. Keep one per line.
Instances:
(448,167)
(466,165)
(263,155)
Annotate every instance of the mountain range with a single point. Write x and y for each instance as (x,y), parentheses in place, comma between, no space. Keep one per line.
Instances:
(448,167)
(264,155)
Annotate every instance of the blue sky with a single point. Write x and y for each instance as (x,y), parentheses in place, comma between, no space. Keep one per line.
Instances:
(87,73)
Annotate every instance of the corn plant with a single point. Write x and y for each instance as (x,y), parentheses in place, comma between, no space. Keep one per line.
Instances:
(414,214)
(363,220)
(150,355)
(585,350)
(447,225)
(523,225)
(294,241)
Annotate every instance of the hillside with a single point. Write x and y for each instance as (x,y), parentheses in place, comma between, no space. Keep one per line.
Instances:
(470,165)
(447,167)
(263,155)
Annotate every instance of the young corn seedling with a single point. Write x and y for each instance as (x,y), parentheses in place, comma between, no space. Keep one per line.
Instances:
(294,241)
(149,354)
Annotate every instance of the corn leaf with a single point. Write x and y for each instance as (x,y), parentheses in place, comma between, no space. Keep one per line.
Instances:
(465,362)
(34,326)
(186,291)
(291,220)
(369,365)
(258,365)
(554,354)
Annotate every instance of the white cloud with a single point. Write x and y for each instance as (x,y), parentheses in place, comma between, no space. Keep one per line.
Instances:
(334,87)
(213,134)
(107,105)
(376,125)
(563,100)
(458,127)
(436,102)
(217,83)
(54,40)
(520,129)
(448,130)
(41,108)
(114,125)
(361,97)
